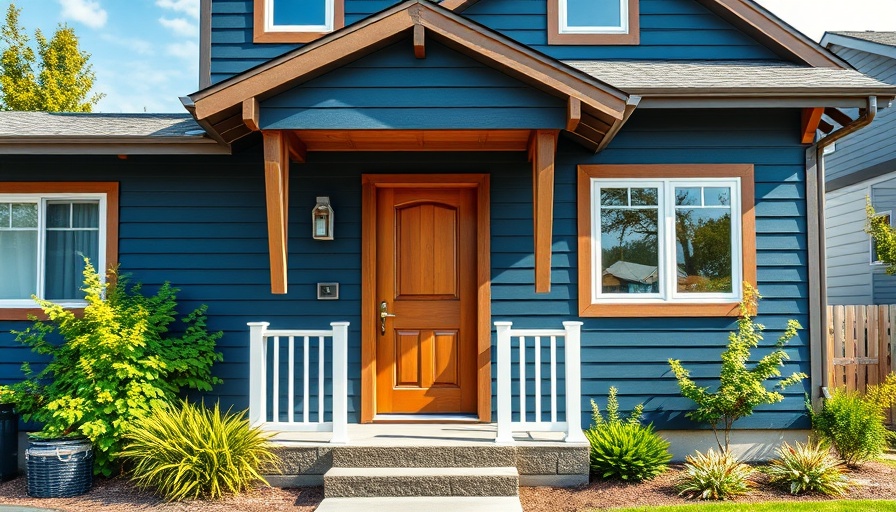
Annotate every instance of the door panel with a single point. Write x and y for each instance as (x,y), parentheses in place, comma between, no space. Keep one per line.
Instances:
(426,274)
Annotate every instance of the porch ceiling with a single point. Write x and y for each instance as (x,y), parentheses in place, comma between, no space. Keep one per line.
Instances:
(229,110)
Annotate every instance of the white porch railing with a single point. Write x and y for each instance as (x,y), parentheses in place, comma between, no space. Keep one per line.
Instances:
(530,348)
(265,379)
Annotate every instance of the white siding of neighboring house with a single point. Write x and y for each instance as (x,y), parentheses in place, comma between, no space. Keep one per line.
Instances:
(848,278)
(875,143)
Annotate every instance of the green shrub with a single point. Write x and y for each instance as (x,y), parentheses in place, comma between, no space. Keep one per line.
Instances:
(625,449)
(191,452)
(807,468)
(854,423)
(117,362)
(716,476)
(741,389)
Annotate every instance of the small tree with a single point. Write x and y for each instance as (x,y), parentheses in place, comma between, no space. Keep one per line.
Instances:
(884,236)
(59,82)
(741,389)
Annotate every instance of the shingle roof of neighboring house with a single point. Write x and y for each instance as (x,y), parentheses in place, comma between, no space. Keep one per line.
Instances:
(887,38)
(62,133)
(708,78)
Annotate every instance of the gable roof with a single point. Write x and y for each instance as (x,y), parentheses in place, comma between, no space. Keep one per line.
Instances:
(754,20)
(219,108)
(880,43)
(97,133)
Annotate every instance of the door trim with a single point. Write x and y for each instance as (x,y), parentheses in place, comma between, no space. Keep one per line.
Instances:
(370,183)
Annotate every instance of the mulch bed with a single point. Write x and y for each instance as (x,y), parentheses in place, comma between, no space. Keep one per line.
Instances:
(874,480)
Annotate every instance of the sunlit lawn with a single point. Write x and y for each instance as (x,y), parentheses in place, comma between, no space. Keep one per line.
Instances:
(779,506)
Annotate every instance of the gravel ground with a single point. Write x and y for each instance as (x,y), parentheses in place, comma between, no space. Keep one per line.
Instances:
(873,481)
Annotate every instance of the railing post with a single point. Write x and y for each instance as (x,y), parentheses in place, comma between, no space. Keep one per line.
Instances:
(340,382)
(257,373)
(572,346)
(505,435)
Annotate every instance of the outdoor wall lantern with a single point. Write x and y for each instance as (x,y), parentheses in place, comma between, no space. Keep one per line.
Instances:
(322,219)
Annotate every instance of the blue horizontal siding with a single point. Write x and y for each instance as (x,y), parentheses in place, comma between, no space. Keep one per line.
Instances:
(669,29)
(391,89)
(200,223)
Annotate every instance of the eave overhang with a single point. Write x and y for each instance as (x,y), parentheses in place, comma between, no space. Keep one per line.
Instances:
(110,145)
(595,108)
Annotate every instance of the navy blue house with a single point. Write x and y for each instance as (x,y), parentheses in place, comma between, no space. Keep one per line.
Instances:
(624,164)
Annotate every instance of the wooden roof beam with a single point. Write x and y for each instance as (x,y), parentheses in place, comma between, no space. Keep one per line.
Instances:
(276,180)
(573,113)
(838,116)
(419,42)
(251,111)
(542,148)
(809,124)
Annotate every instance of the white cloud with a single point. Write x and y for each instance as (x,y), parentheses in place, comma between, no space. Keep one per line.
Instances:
(188,7)
(187,50)
(88,12)
(814,17)
(180,26)
(141,86)
(138,46)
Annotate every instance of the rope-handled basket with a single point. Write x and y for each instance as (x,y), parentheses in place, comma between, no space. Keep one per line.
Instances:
(59,468)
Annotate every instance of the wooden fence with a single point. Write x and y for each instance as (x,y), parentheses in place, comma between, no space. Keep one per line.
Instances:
(861,346)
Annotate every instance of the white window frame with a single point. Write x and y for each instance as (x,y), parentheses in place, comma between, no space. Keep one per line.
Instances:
(565,28)
(329,15)
(668,289)
(871,260)
(42,200)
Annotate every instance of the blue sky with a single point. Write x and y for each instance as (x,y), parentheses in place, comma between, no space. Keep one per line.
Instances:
(145,52)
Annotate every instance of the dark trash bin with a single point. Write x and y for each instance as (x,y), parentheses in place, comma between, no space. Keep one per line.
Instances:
(59,468)
(9,443)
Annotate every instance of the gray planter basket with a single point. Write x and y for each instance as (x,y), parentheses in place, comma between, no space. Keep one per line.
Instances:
(59,468)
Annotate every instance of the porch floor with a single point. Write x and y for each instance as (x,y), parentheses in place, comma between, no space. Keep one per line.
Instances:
(420,434)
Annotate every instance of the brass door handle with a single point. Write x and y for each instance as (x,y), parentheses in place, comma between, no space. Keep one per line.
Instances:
(384,314)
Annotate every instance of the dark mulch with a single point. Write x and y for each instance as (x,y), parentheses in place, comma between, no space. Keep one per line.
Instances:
(874,480)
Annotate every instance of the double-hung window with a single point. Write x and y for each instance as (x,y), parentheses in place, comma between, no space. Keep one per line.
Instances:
(665,240)
(44,238)
(593,22)
(296,21)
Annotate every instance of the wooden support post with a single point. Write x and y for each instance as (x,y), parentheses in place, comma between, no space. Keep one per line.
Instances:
(276,179)
(250,113)
(419,42)
(542,148)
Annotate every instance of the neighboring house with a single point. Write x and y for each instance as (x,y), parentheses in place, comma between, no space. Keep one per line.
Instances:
(861,166)
(479,158)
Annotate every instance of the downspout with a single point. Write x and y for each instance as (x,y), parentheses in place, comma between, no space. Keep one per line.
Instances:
(819,299)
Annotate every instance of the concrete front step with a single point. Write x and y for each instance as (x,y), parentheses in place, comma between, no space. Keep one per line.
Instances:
(423,504)
(403,482)
(424,456)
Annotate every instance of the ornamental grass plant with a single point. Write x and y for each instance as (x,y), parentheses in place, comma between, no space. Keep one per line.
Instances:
(808,467)
(625,449)
(714,475)
(854,422)
(191,452)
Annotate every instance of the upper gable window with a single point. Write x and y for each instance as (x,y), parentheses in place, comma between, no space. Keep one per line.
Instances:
(593,22)
(296,21)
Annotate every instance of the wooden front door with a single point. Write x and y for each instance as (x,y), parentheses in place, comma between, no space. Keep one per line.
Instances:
(426,276)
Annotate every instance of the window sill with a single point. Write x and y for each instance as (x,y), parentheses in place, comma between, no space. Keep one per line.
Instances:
(287,37)
(731,309)
(25,313)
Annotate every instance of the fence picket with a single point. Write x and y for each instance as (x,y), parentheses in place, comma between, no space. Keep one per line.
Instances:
(861,346)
